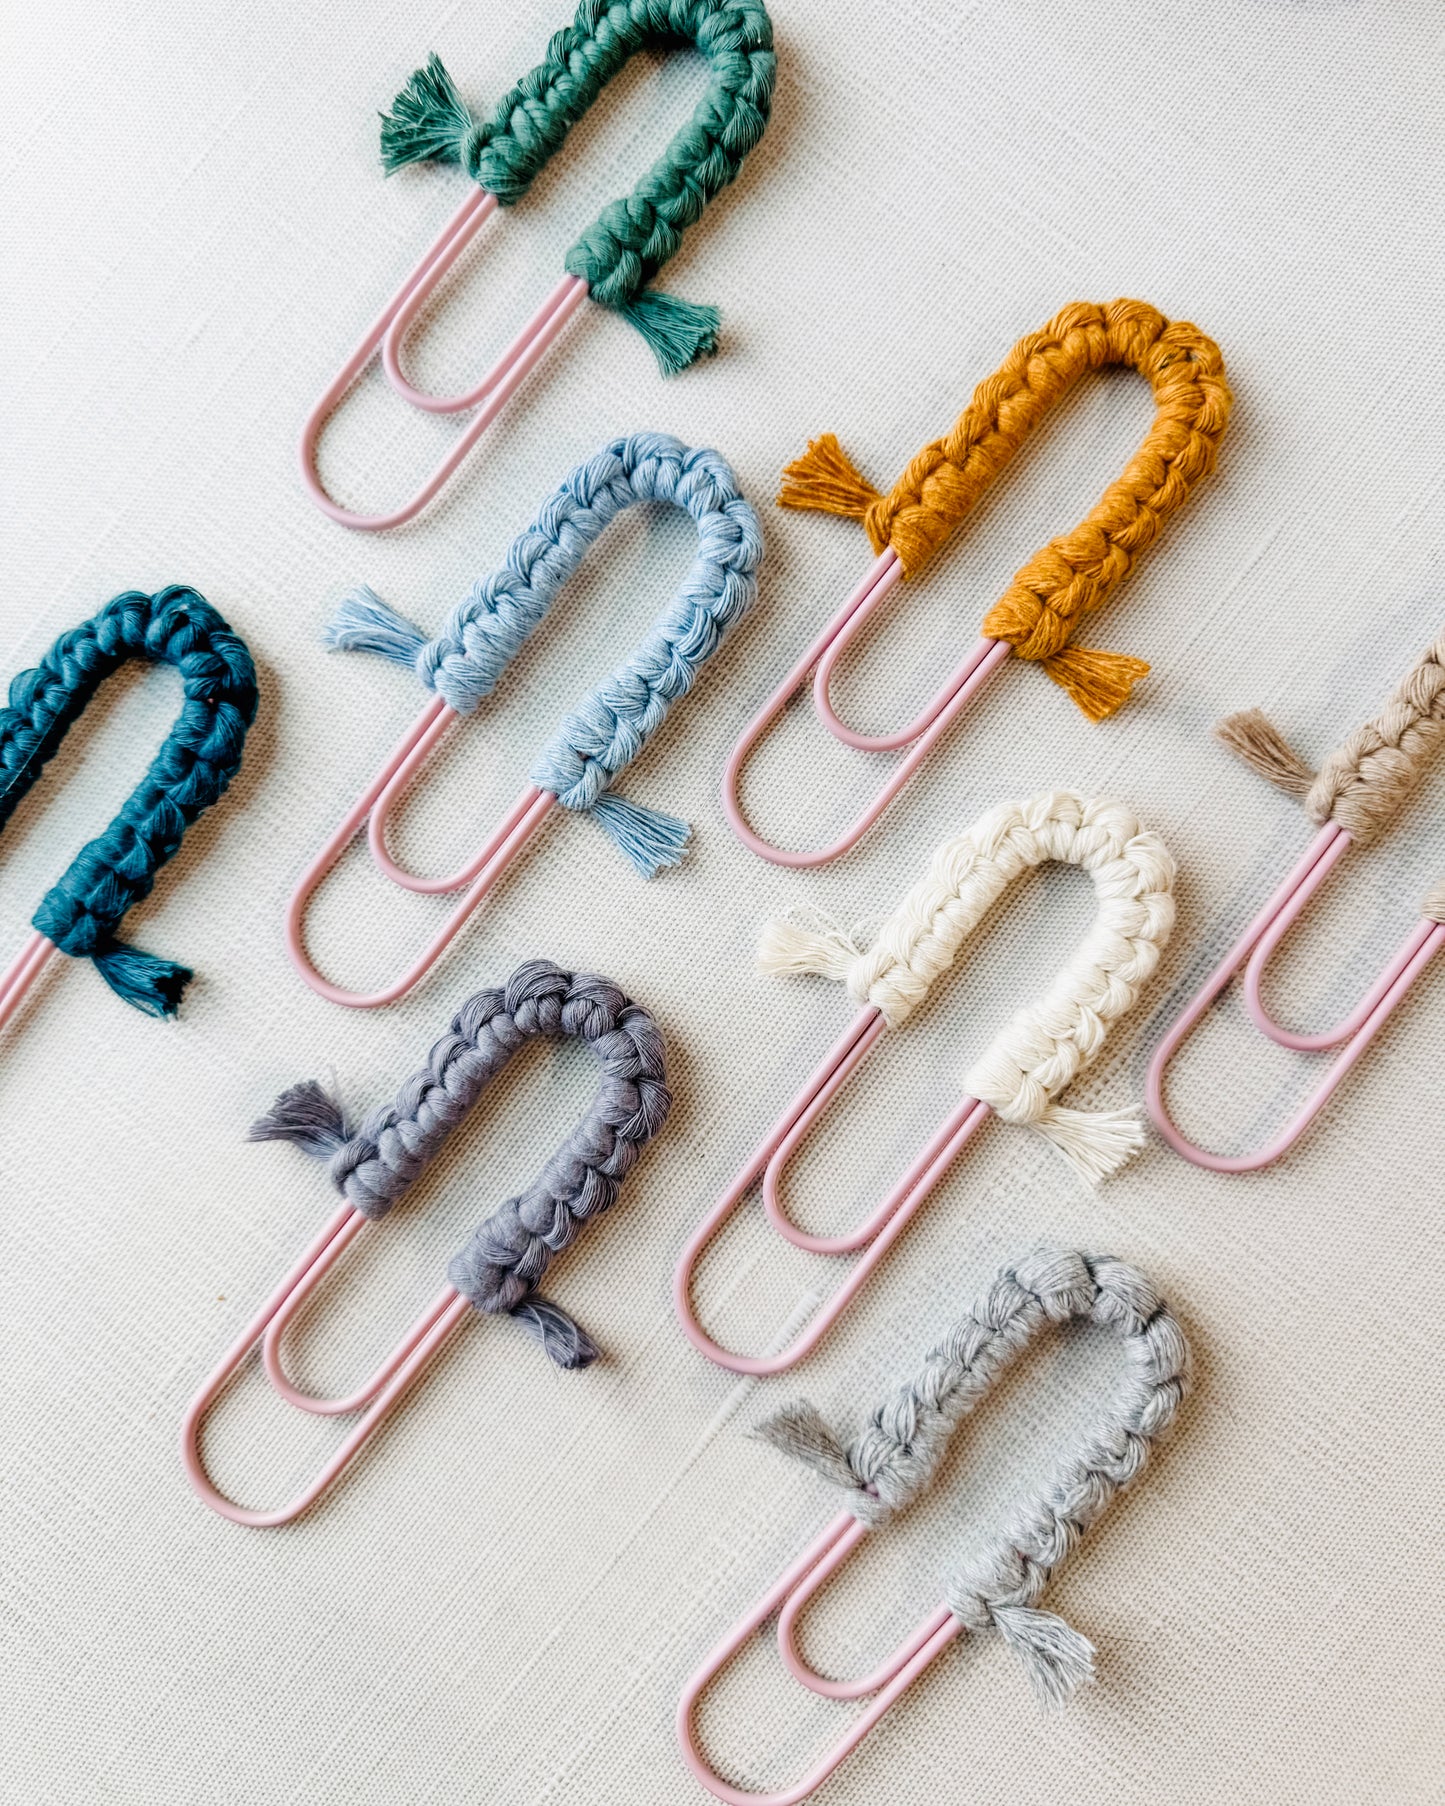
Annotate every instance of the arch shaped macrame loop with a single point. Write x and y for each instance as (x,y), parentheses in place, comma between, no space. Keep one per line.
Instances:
(1045,1045)
(895,1456)
(83,910)
(502,1265)
(1077,572)
(599,738)
(632,238)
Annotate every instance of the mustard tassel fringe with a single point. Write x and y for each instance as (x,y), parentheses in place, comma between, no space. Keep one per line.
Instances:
(825,479)
(1099,682)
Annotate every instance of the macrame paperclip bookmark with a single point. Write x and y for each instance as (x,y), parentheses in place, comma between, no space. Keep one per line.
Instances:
(499,1270)
(885,1467)
(618,256)
(600,738)
(1023,1069)
(1073,575)
(1354,795)
(83,910)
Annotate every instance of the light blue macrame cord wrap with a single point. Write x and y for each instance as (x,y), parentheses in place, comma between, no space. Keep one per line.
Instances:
(612,724)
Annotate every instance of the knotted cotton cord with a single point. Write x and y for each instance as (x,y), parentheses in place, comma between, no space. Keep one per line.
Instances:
(83,910)
(502,1265)
(896,1455)
(1073,575)
(1045,1046)
(609,728)
(631,239)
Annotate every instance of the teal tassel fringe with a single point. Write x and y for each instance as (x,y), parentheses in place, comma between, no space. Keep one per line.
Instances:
(650,839)
(150,984)
(679,332)
(427,121)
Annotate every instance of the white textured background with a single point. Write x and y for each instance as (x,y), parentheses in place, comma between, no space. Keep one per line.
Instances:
(501,1601)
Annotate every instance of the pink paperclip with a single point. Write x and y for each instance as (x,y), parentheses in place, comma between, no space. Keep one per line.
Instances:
(512,833)
(388,330)
(501,1266)
(1252,953)
(920,736)
(635,699)
(787,1597)
(877,1234)
(1133,877)
(22,973)
(618,258)
(383,1392)
(1070,577)
(902,1448)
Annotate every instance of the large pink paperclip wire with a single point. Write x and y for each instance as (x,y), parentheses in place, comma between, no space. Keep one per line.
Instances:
(820,660)
(22,973)
(797,1585)
(381,1393)
(516,828)
(1252,953)
(877,1234)
(388,331)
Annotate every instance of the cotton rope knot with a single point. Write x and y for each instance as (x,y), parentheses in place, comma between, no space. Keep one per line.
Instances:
(898,1453)
(502,1265)
(1366,781)
(1076,573)
(1045,1047)
(630,241)
(83,910)
(606,731)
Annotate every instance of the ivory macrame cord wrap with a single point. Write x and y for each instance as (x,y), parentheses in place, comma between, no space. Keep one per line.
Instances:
(502,1265)
(1073,575)
(1367,780)
(892,1460)
(83,910)
(1045,1046)
(612,724)
(629,242)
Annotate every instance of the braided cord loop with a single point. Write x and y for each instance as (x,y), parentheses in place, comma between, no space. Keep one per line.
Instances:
(1367,780)
(599,738)
(1076,573)
(901,1448)
(633,238)
(1046,1045)
(202,752)
(502,1265)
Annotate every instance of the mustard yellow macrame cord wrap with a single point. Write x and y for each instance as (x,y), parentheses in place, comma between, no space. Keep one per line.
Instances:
(1077,572)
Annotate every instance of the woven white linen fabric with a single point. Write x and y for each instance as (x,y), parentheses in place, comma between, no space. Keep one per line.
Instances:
(501,1601)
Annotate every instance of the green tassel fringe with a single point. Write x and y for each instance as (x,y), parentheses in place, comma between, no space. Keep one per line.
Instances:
(679,332)
(427,121)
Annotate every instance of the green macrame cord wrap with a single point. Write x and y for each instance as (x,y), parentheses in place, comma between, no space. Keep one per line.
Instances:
(631,239)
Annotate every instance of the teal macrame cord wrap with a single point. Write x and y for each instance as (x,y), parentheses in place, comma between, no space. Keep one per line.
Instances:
(198,759)
(615,720)
(631,239)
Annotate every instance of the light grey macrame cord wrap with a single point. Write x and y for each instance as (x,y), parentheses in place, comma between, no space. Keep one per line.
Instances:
(894,1457)
(506,1257)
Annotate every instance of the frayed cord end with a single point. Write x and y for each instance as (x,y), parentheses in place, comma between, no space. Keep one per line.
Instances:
(144,982)
(818,950)
(648,839)
(565,1343)
(1057,1659)
(428,122)
(364,623)
(825,479)
(1095,1143)
(307,1116)
(679,332)
(1253,737)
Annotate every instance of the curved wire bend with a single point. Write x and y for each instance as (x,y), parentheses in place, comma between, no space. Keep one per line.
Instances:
(1250,953)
